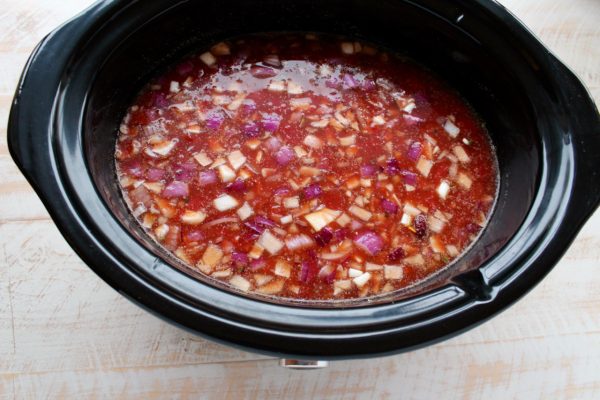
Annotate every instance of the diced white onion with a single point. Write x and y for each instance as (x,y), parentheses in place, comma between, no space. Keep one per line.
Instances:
(226,173)
(451,128)
(270,242)
(236,159)
(225,202)
(362,280)
(395,272)
(320,219)
(190,217)
(207,58)
(443,189)
(245,211)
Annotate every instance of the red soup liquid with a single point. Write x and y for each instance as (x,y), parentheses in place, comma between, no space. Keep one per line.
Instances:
(306,167)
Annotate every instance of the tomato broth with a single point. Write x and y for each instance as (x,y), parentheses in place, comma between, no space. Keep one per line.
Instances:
(306,167)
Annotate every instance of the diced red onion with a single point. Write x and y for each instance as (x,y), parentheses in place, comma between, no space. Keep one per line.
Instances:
(185,172)
(273,144)
(270,121)
(248,107)
(259,219)
(340,234)
(420,225)
(257,264)
(472,228)
(155,174)
(327,273)
(284,156)
(261,72)
(259,223)
(214,120)
(333,83)
(239,186)
(368,84)
(207,178)
(159,100)
(308,269)
(396,255)
(370,242)
(389,207)
(239,258)
(312,191)
(282,191)
(133,168)
(141,195)
(323,237)
(251,129)
(185,68)
(193,236)
(175,189)
(410,178)
(368,171)
(414,151)
(411,119)
(392,167)
(349,82)
(272,60)
(220,221)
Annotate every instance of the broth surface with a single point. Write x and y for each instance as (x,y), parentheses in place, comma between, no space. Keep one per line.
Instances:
(306,167)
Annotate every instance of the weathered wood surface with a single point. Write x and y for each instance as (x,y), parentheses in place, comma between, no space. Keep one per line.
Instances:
(65,334)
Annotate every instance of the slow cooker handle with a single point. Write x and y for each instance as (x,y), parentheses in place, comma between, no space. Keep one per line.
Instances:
(584,121)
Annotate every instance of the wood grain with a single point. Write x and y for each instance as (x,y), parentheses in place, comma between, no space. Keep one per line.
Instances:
(65,334)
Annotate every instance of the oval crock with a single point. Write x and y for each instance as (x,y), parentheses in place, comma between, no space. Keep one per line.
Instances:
(544,123)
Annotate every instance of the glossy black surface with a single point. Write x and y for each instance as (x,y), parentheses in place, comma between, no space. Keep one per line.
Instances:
(543,122)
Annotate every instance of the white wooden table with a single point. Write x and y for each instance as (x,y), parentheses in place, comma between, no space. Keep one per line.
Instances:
(65,334)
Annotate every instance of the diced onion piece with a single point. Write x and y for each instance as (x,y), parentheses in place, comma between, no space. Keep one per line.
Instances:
(411,210)
(291,202)
(212,255)
(348,140)
(464,181)
(443,189)
(451,128)
(220,49)
(155,187)
(256,251)
(309,171)
(164,147)
(161,231)
(435,224)
(353,183)
(373,267)
(240,282)
(378,120)
(245,211)
(270,242)
(341,286)
(354,273)
(203,159)
(300,152)
(416,260)
(347,47)
(236,159)
(300,103)
(343,220)
(190,217)
(286,219)
(360,213)
(226,173)
(320,124)
(174,87)
(312,141)
(272,287)
(362,280)
(424,166)
(406,219)
(321,218)
(225,202)
(283,268)
(393,272)
(262,279)
(370,242)
(452,250)
(298,242)
(226,273)
(294,88)
(207,58)
(277,86)
(334,256)
(436,244)
(461,154)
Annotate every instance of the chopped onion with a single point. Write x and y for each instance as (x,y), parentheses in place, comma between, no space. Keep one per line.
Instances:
(270,121)
(410,178)
(312,191)
(175,190)
(261,72)
(270,242)
(245,211)
(220,49)
(214,119)
(392,167)
(257,264)
(283,268)
(251,129)
(284,155)
(327,273)
(420,225)
(185,172)
(308,269)
(360,212)
(272,60)
(297,242)
(203,159)
(323,237)
(389,207)
(396,255)
(238,186)
(424,166)
(219,221)
(393,272)
(312,141)
(193,217)
(443,189)
(368,171)
(207,178)
(240,283)
(273,144)
(236,159)
(225,202)
(321,218)
(370,242)
(349,82)
(362,280)
(451,128)
(207,58)
(414,151)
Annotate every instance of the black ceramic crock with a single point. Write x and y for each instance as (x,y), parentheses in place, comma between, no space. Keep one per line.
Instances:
(545,127)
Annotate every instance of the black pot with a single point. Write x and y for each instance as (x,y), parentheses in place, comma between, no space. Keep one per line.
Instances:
(546,129)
